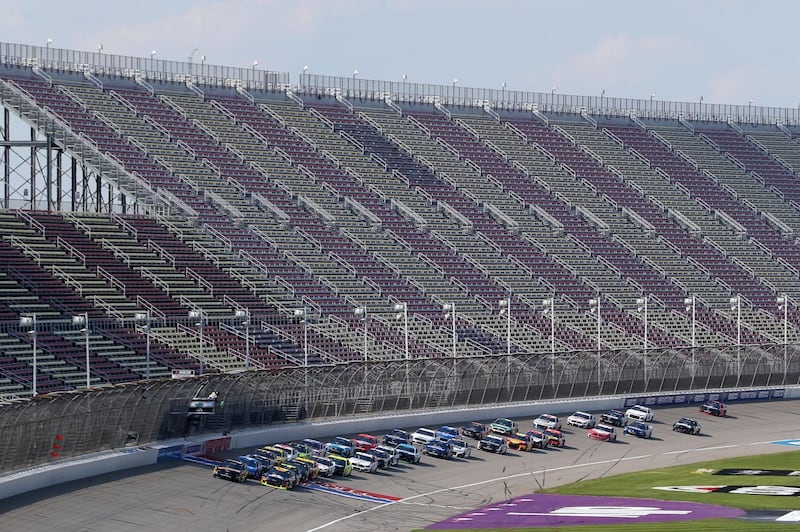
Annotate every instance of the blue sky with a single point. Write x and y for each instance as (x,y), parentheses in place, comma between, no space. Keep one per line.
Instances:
(725,51)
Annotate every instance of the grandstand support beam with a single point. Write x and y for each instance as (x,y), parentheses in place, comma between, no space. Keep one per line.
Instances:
(29,165)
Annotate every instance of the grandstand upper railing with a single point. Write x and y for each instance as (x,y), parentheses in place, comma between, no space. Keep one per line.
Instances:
(355,88)
(151,69)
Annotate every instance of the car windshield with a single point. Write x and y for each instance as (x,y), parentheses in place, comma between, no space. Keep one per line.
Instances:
(580,415)
(458,443)
(405,447)
(493,439)
(503,422)
(426,432)
(686,420)
(448,430)
(399,432)
(339,440)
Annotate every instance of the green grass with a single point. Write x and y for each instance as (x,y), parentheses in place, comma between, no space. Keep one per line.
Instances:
(640,485)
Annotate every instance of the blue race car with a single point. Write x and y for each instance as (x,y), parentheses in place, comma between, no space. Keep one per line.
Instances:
(255,468)
(341,446)
(446,433)
(396,437)
(640,429)
(439,449)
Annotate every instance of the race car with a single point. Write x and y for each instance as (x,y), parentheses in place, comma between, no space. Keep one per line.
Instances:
(687,426)
(461,448)
(446,432)
(556,437)
(395,437)
(539,439)
(639,413)
(279,477)
(409,453)
(230,469)
(602,433)
(301,448)
(394,457)
(493,444)
(316,447)
(383,458)
(438,448)
(255,468)
(423,436)
(640,429)
(503,426)
(313,466)
(327,467)
(475,430)
(613,417)
(341,446)
(582,420)
(291,452)
(715,408)
(547,421)
(365,442)
(279,454)
(300,468)
(364,462)
(341,465)
(519,442)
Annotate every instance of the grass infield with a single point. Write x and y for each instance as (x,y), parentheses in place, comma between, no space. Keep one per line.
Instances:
(641,484)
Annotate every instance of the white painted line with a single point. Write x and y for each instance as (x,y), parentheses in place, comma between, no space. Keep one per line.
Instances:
(481,482)
(701,449)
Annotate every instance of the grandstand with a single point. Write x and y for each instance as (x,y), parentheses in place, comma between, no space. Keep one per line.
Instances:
(223,222)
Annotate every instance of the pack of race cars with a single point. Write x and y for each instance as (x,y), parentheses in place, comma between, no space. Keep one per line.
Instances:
(286,465)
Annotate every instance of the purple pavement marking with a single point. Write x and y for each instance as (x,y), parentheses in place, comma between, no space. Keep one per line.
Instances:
(536,510)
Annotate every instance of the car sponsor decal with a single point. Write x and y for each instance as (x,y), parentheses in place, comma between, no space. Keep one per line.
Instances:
(759,472)
(551,511)
(781,491)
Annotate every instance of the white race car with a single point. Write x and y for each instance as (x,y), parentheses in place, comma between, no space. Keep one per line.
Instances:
(582,420)
(639,413)
(423,436)
(547,421)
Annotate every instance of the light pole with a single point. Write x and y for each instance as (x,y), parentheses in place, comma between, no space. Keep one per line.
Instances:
(361,312)
(505,310)
(143,318)
(153,55)
(549,306)
(29,322)
(355,73)
(783,304)
(402,312)
(302,313)
(49,42)
(641,307)
(594,306)
(198,315)
(689,304)
(82,320)
(244,319)
(450,312)
(736,304)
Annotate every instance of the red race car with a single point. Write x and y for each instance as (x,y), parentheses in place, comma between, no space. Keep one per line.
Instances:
(602,433)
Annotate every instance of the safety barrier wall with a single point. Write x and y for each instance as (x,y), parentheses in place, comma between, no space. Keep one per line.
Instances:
(97,464)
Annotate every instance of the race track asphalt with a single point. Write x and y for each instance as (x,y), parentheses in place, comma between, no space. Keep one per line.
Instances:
(181,496)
